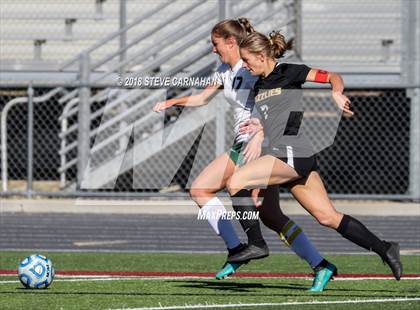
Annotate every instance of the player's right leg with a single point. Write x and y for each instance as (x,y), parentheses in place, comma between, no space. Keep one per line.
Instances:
(203,191)
(294,237)
(311,194)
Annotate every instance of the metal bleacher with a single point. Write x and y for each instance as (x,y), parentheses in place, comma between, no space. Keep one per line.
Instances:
(42,34)
(354,36)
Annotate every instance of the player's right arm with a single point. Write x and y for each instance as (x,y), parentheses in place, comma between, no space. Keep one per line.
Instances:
(189,101)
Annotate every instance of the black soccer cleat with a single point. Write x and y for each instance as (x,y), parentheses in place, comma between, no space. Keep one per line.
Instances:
(392,258)
(248,253)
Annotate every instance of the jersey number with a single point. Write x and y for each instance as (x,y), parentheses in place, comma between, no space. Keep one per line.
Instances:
(238,80)
(264,110)
(293,123)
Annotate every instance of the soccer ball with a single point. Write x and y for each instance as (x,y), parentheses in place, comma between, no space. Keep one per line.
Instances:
(36,271)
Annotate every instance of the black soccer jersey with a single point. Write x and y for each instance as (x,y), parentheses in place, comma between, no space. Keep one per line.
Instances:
(278,99)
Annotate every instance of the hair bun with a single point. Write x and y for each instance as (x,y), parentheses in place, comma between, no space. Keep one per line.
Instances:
(273,46)
(246,24)
(279,43)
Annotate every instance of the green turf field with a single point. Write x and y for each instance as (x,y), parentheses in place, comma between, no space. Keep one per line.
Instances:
(139,292)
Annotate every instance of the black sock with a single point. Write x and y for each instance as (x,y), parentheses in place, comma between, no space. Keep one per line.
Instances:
(356,232)
(236,249)
(322,264)
(242,202)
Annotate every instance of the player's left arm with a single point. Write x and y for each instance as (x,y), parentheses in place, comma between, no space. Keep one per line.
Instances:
(337,85)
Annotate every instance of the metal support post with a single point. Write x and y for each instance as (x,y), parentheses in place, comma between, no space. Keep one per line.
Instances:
(68,28)
(224,9)
(413,66)
(99,8)
(224,13)
(415,144)
(4,165)
(269,5)
(38,49)
(123,141)
(30,136)
(220,125)
(298,29)
(123,35)
(83,138)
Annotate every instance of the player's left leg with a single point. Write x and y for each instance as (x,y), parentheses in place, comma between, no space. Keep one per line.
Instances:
(259,173)
(311,194)
(203,191)
(236,156)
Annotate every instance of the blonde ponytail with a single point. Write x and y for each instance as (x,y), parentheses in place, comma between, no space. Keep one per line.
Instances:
(273,46)
(279,45)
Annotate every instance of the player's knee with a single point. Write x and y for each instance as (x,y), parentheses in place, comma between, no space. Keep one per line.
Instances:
(325,219)
(233,185)
(199,192)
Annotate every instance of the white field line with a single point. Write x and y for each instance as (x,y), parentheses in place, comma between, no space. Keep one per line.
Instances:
(326,302)
(119,278)
(99,242)
(410,252)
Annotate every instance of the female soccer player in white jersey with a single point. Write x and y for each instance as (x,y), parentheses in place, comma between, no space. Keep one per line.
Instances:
(237,83)
(289,156)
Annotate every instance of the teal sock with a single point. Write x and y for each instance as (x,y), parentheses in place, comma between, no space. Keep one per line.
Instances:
(296,239)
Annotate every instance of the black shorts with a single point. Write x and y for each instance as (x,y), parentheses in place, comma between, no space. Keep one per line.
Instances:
(302,165)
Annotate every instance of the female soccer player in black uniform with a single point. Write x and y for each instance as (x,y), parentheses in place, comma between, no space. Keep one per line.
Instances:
(290,158)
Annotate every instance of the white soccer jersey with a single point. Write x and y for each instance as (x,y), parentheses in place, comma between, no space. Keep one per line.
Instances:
(238,89)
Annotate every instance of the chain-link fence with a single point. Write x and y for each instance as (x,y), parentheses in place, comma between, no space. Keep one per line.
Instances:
(370,154)
(45,135)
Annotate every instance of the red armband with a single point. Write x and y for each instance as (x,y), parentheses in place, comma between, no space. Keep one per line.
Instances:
(321,76)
